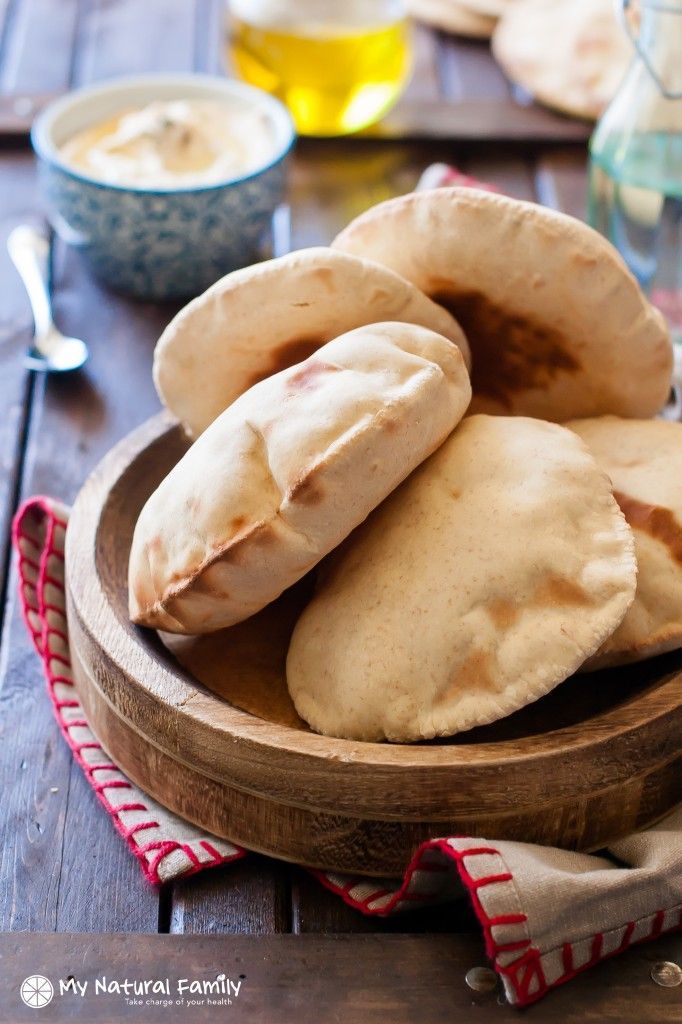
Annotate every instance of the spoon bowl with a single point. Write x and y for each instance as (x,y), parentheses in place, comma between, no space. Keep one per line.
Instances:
(64,354)
(50,351)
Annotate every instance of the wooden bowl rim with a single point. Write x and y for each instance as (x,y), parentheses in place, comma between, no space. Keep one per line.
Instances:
(132,651)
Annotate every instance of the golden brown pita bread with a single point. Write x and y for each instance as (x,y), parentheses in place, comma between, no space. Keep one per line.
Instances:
(287,471)
(644,461)
(558,326)
(262,319)
(485,580)
(453,16)
(570,54)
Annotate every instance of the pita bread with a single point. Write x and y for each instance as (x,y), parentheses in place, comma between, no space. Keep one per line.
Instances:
(287,471)
(490,8)
(570,54)
(644,461)
(478,586)
(262,319)
(452,16)
(558,326)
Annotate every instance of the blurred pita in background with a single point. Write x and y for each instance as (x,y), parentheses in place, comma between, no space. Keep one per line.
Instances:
(570,54)
(491,8)
(456,16)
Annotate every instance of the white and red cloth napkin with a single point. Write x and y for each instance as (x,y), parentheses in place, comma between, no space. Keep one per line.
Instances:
(546,914)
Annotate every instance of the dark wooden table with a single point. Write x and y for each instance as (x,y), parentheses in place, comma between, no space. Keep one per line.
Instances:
(62,868)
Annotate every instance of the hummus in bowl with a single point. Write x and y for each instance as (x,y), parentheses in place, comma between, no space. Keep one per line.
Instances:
(165,182)
(173,143)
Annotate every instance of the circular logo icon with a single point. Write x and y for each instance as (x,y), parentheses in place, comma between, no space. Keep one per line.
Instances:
(36,991)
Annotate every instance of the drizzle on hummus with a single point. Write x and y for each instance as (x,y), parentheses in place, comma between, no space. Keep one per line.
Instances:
(173,143)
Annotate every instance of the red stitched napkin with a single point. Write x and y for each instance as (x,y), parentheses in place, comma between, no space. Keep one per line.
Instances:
(538,907)
(546,914)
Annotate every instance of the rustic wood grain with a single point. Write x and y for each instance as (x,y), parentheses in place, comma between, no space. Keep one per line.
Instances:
(59,848)
(84,415)
(310,979)
(476,120)
(5,24)
(425,82)
(39,47)
(33,758)
(126,37)
(18,112)
(331,183)
(561,181)
(249,897)
(18,189)
(209,48)
(511,173)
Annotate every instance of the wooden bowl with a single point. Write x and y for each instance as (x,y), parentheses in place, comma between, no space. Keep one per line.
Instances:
(210,731)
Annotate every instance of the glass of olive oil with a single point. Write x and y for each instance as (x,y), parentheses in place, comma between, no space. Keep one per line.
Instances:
(339,65)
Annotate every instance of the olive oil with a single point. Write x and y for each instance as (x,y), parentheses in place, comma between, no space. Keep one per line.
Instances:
(335,75)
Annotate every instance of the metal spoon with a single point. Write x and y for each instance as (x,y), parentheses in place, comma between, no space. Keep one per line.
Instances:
(51,351)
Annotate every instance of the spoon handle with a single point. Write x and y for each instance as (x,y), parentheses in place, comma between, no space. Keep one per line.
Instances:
(29,250)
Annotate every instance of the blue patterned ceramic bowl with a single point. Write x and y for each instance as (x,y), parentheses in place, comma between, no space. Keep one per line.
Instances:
(166,242)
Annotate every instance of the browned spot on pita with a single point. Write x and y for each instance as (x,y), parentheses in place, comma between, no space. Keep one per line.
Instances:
(326,276)
(237,548)
(475,673)
(659,522)
(237,523)
(201,584)
(306,490)
(560,590)
(503,613)
(281,357)
(387,421)
(309,375)
(510,352)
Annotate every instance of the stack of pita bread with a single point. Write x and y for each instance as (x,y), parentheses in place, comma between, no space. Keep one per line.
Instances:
(570,55)
(446,418)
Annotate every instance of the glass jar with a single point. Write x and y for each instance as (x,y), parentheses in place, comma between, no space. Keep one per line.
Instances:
(636,159)
(338,66)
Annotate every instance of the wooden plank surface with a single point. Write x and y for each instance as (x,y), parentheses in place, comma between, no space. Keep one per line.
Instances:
(61,868)
(250,897)
(474,120)
(18,187)
(38,47)
(71,423)
(309,979)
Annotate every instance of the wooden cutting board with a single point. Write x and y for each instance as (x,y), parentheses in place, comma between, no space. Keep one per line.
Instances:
(205,725)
